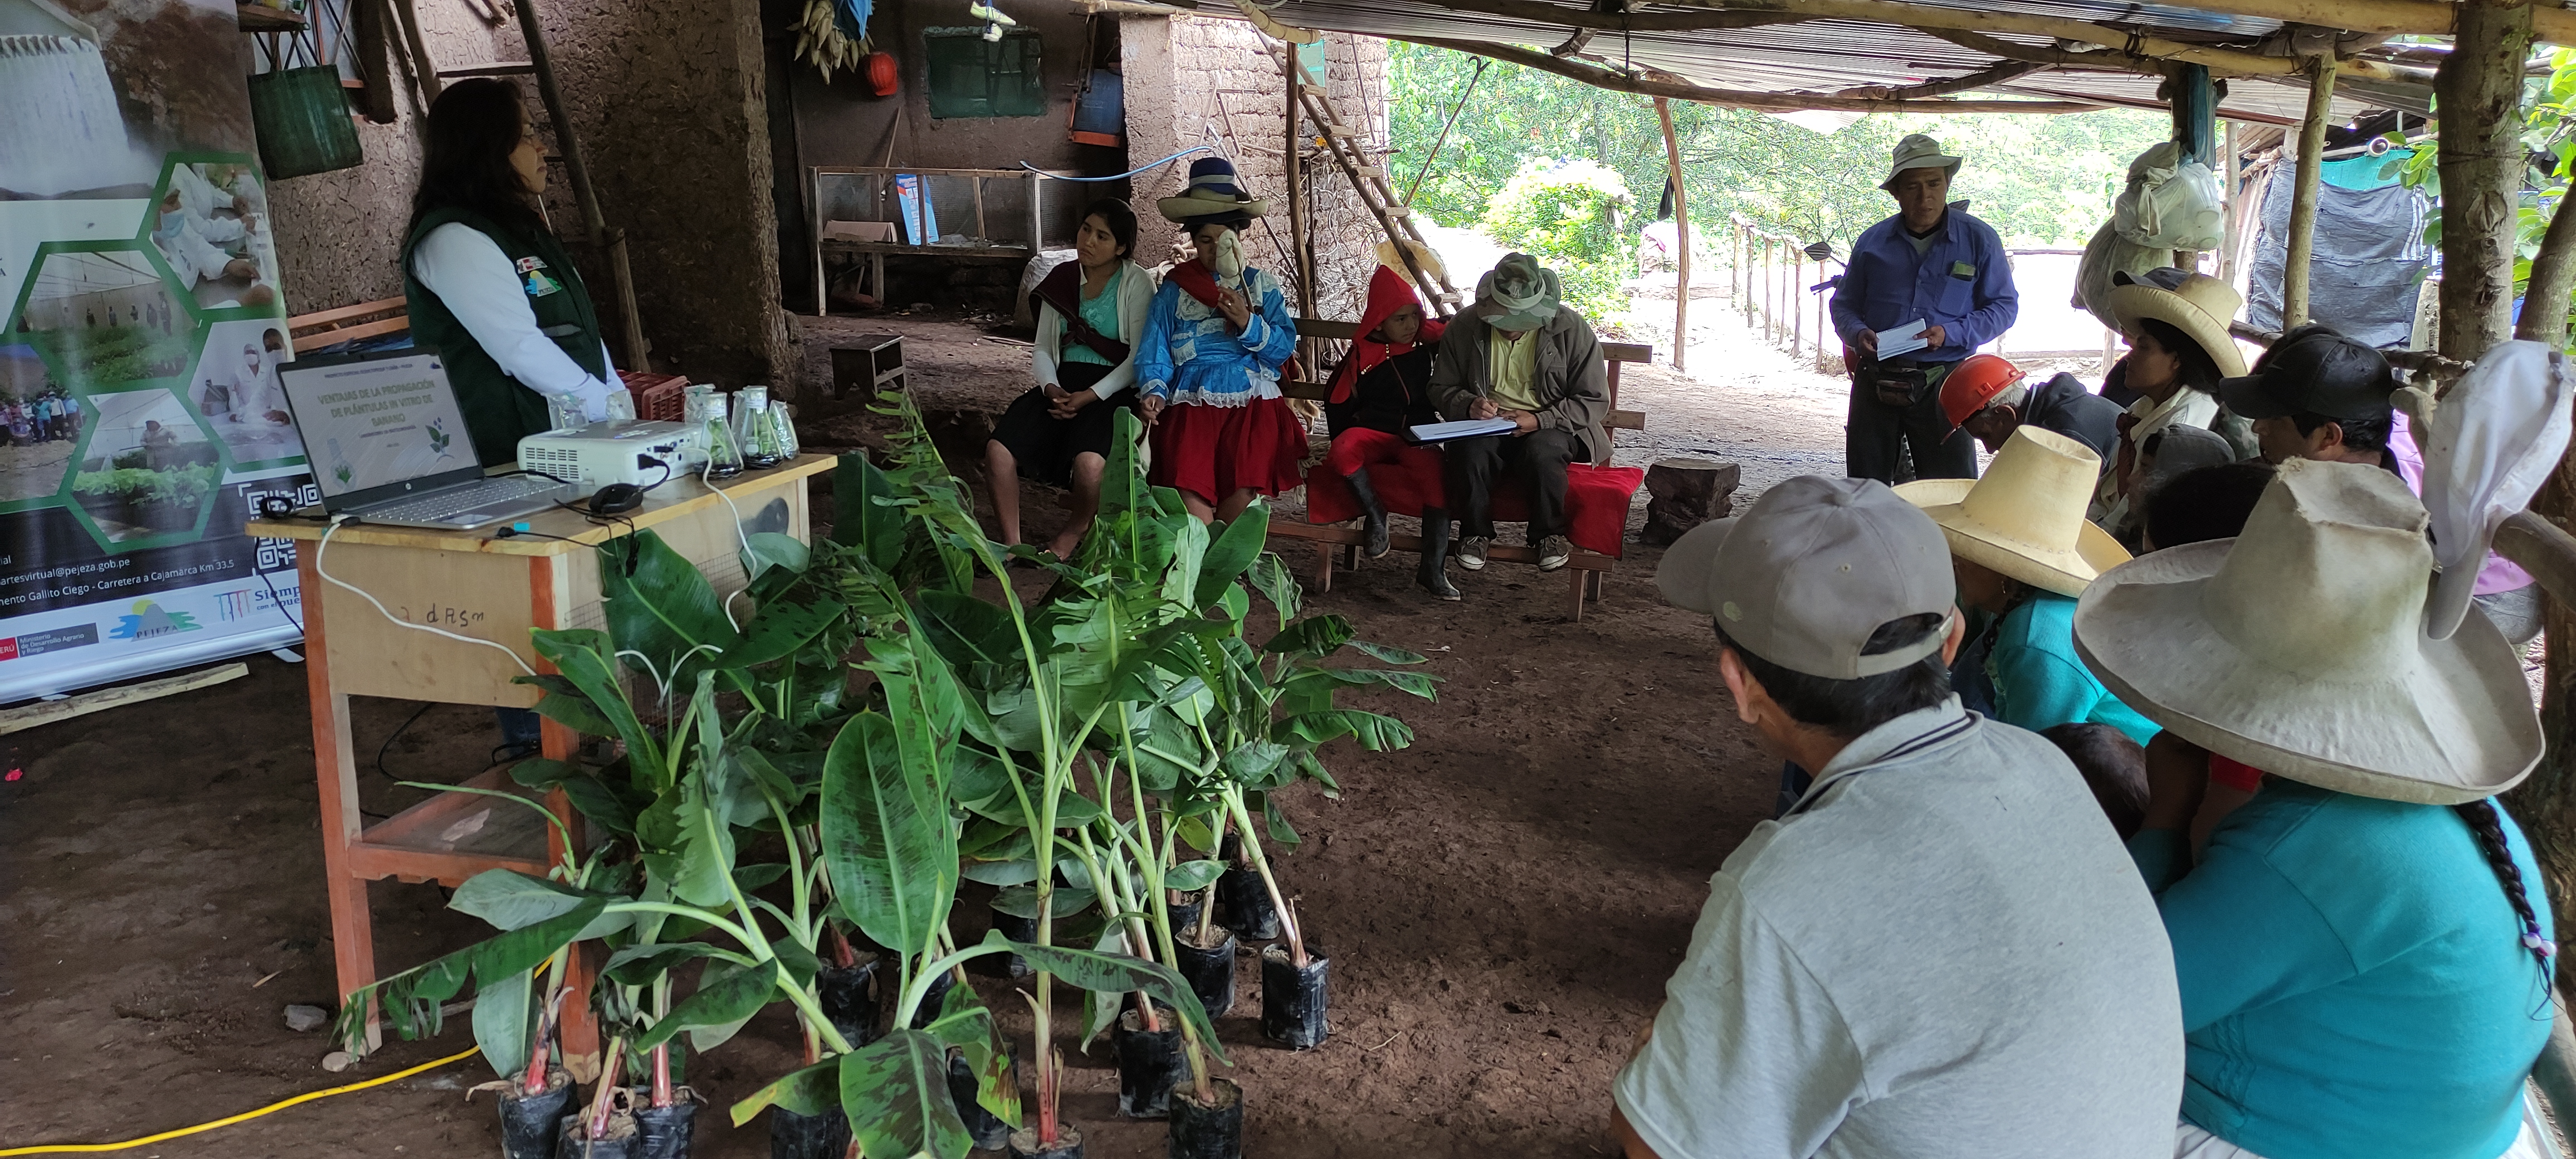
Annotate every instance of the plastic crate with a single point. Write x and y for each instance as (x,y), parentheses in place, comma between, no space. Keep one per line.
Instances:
(657,396)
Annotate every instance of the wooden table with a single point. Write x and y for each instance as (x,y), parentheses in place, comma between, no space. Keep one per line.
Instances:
(476,584)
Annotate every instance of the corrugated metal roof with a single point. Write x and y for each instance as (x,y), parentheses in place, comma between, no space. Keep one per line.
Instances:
(1824,56)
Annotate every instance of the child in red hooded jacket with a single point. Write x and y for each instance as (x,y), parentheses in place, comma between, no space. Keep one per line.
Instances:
(1379,390)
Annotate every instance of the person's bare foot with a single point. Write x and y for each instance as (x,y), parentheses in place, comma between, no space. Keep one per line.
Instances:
(1063,546)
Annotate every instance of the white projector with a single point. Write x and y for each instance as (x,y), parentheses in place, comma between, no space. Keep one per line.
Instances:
(614,452)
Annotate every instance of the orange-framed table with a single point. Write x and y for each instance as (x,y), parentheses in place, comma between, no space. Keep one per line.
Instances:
(478,585)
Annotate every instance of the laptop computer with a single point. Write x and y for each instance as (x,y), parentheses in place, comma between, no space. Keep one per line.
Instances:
(386,438)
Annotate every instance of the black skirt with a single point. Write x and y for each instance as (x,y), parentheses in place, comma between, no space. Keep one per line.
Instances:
(1045,445)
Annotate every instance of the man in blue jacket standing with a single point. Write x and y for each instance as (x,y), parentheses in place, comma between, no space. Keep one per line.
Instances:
(1930,264)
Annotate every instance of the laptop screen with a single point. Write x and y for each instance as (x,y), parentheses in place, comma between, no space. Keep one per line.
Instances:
(377,421)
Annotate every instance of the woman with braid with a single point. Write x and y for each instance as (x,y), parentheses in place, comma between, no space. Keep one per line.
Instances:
(2363,949)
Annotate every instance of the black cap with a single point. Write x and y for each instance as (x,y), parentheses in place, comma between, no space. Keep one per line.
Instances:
(2313,370)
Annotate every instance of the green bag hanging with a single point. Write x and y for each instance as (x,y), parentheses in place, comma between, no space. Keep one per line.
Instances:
(302,118)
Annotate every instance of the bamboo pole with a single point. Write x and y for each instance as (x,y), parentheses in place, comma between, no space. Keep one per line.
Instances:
(614,241)
(1445,126)
(2303,194)
(1292,72)
(424,68)
(1681,223)
(2227,203)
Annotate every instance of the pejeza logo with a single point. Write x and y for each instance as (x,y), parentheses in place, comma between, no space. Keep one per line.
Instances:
(149,621)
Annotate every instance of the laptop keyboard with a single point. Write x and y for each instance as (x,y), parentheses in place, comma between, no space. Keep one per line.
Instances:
(447,505)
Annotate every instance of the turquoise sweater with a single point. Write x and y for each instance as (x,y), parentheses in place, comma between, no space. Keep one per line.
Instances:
(2039,681)
(2354,984)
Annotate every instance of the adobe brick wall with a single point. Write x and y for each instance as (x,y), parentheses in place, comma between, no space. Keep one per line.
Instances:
(1199,79)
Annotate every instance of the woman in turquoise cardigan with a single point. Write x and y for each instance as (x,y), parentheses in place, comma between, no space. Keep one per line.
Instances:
(2363,966)
(2022,551)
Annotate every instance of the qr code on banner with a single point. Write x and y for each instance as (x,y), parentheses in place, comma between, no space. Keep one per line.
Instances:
(279,554)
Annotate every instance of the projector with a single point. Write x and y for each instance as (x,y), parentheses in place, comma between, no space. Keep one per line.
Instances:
(597,455)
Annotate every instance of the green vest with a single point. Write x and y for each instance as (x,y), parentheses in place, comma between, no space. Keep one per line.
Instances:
(499,411)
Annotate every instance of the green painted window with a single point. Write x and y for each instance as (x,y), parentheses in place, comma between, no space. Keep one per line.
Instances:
(974,77)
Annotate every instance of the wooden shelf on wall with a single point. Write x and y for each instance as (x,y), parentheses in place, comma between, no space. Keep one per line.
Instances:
(262,18)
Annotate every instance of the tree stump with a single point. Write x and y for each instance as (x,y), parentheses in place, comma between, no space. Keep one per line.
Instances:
(1687,493)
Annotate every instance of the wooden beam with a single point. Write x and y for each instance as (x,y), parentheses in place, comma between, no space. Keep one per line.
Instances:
(2222,61)
(2481,163)
(1991,74)
(1736,98)
(2303,192)
(42,712)
(1681,222)
(2106,60)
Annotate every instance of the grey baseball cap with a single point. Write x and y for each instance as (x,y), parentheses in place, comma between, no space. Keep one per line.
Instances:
(1811,571)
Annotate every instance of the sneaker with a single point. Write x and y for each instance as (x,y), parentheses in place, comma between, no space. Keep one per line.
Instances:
(1553,551)
(1471,552)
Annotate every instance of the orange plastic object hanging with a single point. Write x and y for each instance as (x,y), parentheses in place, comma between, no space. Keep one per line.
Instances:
(881,73)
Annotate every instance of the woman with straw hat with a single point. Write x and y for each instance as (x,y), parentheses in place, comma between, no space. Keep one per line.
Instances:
(1207,366)
(2175,323)
(2364,948)
(2021,551)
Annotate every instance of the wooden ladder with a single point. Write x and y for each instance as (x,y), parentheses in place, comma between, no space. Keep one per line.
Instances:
(1370,180)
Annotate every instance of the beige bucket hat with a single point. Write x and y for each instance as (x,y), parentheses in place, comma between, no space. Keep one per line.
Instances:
(2196,304)
(1918,151)
(2299,648)
(2026,517)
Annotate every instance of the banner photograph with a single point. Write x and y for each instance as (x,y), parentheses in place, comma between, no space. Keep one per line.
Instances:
(140,415)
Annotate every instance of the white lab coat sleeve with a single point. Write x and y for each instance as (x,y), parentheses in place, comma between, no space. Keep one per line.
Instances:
(1050,346)
(478,284)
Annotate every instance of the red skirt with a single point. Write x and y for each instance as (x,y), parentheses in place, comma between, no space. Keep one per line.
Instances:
(1214,451)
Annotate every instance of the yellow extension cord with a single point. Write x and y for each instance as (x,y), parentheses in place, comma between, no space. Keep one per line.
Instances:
(245,1116)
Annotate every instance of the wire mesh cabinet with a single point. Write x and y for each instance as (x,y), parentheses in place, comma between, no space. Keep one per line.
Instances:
(870,211)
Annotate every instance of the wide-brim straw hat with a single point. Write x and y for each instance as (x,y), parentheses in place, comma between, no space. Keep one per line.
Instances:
(1393,259)
(2298,648)
(2198,305)
(1212,192)
(2025,519)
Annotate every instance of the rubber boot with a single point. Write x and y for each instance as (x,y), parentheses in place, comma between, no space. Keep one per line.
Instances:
(1372,508)
(1434,575)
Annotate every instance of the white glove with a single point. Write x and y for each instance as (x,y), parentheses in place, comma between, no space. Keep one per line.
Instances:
(594,400)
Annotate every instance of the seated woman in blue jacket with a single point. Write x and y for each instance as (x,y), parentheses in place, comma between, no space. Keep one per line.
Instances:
(1207,365)
(2364,949)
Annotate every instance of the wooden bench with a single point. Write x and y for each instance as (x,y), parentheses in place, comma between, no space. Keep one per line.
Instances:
(1584,568)
(310,332)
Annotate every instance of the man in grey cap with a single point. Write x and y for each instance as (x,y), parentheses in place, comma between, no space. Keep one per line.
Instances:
(1932,265)
(1943,949)
(1519,354)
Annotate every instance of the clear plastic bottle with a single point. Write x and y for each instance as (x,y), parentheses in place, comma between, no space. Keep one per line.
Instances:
(782,420)
(621,405)
(752,425)
(566,412)
(705,410)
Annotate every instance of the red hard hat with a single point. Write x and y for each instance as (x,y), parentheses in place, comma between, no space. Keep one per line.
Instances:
(1974,383)
(881,68)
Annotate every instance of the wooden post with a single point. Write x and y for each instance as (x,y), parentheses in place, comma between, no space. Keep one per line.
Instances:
(614,241)
(1293,71)
(2303,195)
(1681,227)
(2479,89)
(2553,278)
(2227,205)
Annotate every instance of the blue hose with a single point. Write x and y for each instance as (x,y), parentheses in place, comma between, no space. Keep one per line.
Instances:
(1119,176)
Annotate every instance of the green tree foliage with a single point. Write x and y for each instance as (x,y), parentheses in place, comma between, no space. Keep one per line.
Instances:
(2039,180)
(1571,213)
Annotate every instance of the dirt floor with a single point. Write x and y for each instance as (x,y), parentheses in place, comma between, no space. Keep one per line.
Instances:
(1502,902)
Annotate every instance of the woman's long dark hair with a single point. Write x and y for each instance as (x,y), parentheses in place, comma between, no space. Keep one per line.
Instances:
(2489,830)
(2198,370)
(474,126)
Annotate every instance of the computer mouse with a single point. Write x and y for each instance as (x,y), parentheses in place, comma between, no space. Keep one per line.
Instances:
(616,499)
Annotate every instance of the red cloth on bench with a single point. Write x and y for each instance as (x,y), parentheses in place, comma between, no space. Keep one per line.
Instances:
(1596,500)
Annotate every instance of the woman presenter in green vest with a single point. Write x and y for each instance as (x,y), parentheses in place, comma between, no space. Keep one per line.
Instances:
(489,286)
